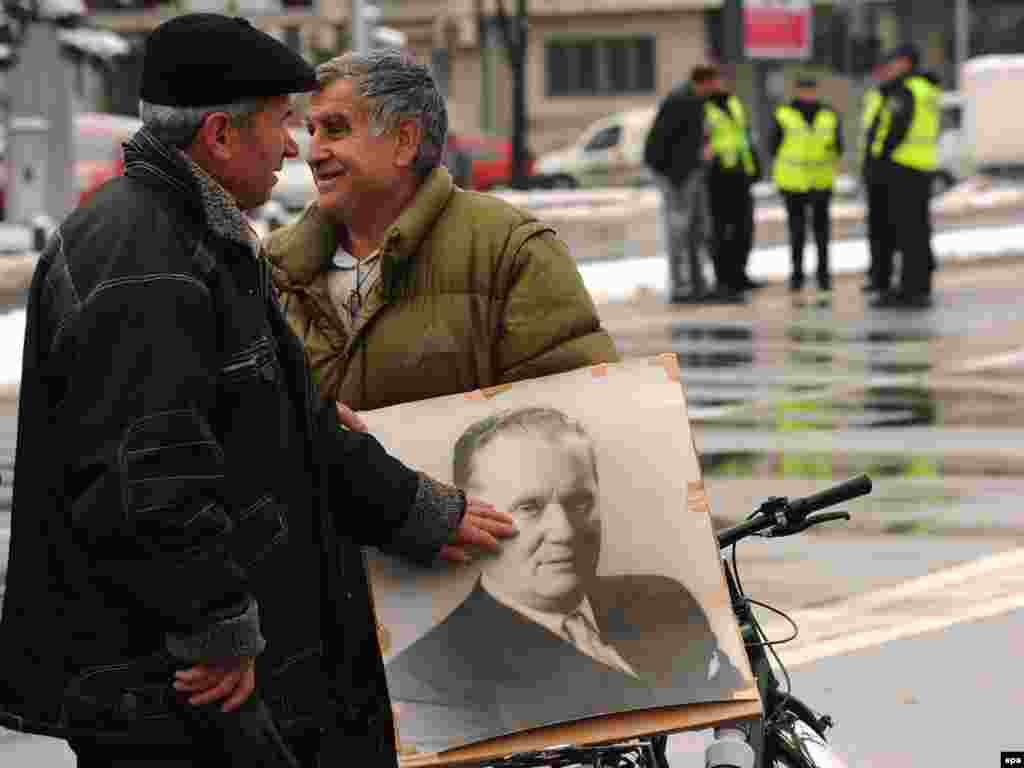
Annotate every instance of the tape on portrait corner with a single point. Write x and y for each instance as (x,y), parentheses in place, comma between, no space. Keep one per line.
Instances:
(496,390)
(697,498)
(670,364)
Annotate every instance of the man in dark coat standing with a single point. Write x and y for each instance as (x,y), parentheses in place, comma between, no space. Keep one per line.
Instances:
(879,274)
(735,168)
(905,157)
(186,584)
(676,151)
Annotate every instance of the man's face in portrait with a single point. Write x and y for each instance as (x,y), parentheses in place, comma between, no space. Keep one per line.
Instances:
(547,483)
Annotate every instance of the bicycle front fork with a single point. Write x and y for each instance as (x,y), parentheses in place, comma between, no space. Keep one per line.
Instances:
(729,749)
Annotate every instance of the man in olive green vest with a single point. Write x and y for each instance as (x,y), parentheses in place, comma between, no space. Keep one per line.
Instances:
(401,285)
(807,143)
(905,152)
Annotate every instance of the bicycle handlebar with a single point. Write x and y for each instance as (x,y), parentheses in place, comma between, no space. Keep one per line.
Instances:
(837,494)
(789,516)
(730,536)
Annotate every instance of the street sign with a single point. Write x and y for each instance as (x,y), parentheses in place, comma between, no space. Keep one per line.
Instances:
(777,29)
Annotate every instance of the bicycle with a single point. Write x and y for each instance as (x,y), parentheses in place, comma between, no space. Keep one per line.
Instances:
(789,734)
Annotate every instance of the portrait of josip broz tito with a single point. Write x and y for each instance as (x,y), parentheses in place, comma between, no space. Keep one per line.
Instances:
(541,638)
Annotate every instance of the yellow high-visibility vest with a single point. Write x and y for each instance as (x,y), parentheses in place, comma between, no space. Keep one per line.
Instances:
(729,135)
(920,147)
(872,106)
(807,157)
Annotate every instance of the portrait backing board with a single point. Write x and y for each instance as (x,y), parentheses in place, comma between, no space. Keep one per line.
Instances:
(474,681)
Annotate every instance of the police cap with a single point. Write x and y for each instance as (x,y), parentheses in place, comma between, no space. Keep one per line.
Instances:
(907,51)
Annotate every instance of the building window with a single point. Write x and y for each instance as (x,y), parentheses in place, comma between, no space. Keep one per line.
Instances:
(600,66)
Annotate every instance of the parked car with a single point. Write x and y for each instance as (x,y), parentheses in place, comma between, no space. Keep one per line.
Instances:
(954,155)
(98,154)
(609,152)
(489,157)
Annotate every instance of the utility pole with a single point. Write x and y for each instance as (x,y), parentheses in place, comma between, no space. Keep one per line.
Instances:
(860,60)
(515,35)
(963,39)
(41,115)
(363,17)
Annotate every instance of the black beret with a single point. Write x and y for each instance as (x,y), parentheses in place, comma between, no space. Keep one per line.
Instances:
(206,59)
(908,51)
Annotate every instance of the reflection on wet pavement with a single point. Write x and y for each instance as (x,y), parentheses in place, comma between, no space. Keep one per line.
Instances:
(816,374)
(819,377)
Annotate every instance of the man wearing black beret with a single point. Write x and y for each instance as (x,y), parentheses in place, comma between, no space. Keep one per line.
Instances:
(186,584)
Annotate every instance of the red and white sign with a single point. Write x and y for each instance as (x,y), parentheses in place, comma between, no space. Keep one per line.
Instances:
(777,29)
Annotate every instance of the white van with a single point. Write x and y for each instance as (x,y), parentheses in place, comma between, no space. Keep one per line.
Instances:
(609,153)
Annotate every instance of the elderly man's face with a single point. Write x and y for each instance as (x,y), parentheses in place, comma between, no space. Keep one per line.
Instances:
(548,486)
(350,165)
(263,143)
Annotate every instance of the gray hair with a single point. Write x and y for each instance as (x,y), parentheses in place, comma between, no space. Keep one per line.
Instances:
(177,126)
(549,423)
(395,87)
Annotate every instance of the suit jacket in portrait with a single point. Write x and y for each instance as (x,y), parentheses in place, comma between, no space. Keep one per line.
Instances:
(487,670)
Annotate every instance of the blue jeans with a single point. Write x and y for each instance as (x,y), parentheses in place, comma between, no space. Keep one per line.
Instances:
(685,214)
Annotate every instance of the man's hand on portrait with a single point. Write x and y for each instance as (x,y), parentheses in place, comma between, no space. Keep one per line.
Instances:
(231,679)
(482,526)
(349,418)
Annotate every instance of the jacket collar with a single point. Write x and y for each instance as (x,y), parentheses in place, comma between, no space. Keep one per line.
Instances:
(302,249)
(149,158)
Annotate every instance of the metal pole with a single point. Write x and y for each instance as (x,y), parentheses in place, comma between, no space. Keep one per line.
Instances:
(357,22)
(963,39)
(40,138)
(859,33)
(520,145)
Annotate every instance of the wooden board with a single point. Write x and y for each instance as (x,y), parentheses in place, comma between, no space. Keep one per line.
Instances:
(599,730)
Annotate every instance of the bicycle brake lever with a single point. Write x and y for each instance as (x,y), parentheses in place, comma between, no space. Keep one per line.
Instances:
(827,517)
(789,530)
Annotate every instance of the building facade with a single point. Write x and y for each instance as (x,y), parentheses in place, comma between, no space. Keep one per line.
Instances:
(589,58)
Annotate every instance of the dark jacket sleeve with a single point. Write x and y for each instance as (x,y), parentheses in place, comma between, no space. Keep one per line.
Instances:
(145,471)
(900,102)
(776,136)
(657,144)
(840,145)
(379,501)
(676,137)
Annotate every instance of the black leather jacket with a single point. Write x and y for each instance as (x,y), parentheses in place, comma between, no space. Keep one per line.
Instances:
(181,492)
(676,140)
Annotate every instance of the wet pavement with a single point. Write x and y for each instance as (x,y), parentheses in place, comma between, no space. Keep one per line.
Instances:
(787,393)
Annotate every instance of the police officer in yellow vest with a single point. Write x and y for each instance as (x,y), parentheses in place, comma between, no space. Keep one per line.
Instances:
(734,169)
(905,152)
(879,274)
(807,144)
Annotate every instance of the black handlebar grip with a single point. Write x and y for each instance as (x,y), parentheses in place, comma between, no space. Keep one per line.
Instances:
(837,494)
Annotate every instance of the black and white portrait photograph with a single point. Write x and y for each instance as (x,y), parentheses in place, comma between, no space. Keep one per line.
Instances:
(610,596)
